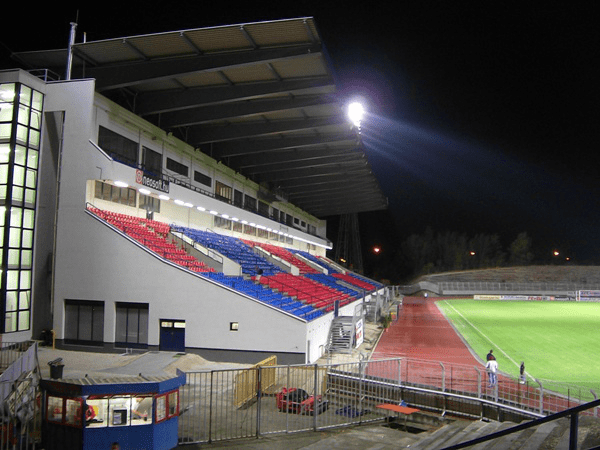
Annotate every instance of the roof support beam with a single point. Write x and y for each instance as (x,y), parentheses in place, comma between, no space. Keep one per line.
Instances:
(221,150)
(165,101)
(130,74)
(213,113)
(290,157)
(300,165)
(206,134)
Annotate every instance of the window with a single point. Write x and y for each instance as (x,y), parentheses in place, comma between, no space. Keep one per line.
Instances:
(96,412)
(20,124)
(177,167)
(238,198)
(263,209)
(221,222)
(115,194)
(222,191)
(131,324)
(202,179)
(64,410)
(249,203)
(119,147)
(249,229)
(167,406)
(149,203)
(151,161)
(84,322)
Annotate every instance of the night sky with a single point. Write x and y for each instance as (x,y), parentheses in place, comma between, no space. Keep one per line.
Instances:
(482,116)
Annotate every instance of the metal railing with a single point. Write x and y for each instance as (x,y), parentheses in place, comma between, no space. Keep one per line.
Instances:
(20,396)
(289,399)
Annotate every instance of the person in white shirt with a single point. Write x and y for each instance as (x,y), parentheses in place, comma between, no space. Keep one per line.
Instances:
(492,368)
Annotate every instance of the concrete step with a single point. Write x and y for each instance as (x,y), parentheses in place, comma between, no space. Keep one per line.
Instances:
(473,431)
(437,438)
(500,443)
(549,436)
(541,434)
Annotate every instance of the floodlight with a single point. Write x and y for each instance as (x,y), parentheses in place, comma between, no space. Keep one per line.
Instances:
(355,113)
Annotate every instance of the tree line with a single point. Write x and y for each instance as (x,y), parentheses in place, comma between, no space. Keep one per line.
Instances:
(432,252)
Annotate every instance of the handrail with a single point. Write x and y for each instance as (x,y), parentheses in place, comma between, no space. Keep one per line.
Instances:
(573,412)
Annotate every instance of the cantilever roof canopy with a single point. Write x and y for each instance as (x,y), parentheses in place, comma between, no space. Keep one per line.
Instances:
(259,97)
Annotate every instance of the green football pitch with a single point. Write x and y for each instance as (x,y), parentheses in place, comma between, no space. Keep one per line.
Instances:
(558,341)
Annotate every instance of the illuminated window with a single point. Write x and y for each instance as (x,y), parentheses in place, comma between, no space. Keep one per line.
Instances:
(20,125)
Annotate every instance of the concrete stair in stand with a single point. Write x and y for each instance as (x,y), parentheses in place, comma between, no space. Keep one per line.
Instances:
(548,436)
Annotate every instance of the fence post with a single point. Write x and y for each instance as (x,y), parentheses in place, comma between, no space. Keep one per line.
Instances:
(541,395)
(210,407)
(287,410)
(259,400)
(316,401)
(400,371)
(595,398)
(478,381)
(443,377)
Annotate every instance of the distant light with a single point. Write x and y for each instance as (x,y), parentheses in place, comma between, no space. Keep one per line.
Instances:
(213,212)
(144,191)
(200,208)
(376,249)
(179,202)
(556,253)
(164,197)
(189,205)
(225,216)
(472,253)
(356,112)
(121,184)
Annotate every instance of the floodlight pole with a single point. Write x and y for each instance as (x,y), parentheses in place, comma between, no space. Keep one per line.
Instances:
(70,51)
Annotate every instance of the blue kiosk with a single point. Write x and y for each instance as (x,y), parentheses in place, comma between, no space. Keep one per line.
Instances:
(133,412)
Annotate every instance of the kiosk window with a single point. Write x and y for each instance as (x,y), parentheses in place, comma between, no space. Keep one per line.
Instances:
(96,413)
(118,409)
(161,408)
(173,403)
(54,412)
(73,412)
(167,406)
(141,410)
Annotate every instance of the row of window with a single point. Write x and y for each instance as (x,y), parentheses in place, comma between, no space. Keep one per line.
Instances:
(84,322)
(127,150)
(117,411)
(125,196)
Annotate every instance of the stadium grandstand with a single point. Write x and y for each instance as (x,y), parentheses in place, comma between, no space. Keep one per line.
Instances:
(171,192)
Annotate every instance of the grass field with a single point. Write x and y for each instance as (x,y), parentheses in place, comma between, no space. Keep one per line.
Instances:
(558,341)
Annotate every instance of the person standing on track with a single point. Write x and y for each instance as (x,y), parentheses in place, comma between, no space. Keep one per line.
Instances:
(492,368)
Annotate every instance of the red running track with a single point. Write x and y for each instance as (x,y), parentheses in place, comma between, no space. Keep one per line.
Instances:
(423,335)
(422,332)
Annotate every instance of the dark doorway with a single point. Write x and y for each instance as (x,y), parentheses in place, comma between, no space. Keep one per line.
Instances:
(172,335)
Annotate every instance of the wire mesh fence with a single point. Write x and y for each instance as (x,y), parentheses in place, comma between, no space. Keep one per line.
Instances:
(267,399)
(289,399)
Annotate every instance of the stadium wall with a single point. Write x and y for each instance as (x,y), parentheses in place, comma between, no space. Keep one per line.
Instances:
(80,258)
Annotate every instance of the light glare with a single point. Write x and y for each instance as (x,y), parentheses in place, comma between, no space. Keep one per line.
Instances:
(355,113)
